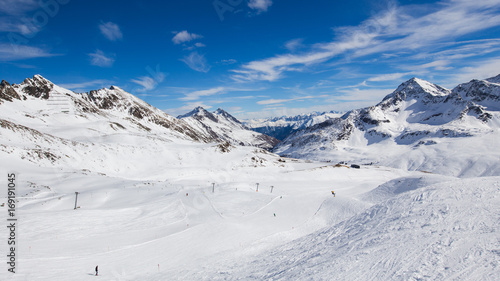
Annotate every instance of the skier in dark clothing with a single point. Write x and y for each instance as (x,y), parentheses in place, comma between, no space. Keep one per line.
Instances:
(96,270)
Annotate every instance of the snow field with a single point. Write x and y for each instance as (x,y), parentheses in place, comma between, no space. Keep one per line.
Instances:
(443,231)
(129,226)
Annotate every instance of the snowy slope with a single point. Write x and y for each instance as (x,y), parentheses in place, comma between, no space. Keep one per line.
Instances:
(445,231)
(281,127)
(412,128)
(225,128)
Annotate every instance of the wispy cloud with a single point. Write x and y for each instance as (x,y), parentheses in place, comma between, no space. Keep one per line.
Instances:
(17,17)
(388,77)
(202,93)
(184,36)
(15,26)
(280,101)
(196,62)
(397,29)
(149,83)
(260,5)
(294,44)
(481,69)
(367,96)
(11,52)
(272,69)
(146,82)
(18,7)
(228,61)
(111,31)
(194,46)
(99,58)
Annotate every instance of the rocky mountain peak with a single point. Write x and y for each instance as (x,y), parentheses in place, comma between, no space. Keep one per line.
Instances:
(221,112)
(38,86)
(482,92)
(418,89)
(7,92)
(199,113)
(223,127)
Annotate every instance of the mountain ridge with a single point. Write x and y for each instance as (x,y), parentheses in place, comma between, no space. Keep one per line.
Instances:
(124,111)
(226,128)
(415,117)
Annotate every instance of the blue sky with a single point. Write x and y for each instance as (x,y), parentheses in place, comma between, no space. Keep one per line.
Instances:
(253,58)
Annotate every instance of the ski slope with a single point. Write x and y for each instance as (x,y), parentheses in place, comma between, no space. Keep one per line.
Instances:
(128,227)
(383,224)
(445,231)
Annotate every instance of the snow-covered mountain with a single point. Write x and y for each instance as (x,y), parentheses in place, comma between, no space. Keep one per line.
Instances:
(225,128)
(412,128)
(39,103)
(107,131)
(282,127)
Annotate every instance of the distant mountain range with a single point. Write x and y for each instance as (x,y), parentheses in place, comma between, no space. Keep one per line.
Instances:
(35,102)
(223,127)
(282,127)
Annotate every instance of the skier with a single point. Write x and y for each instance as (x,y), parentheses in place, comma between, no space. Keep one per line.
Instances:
(96,270)
(333,193)
(274,214)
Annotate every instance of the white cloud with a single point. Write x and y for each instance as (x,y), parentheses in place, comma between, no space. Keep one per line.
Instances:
(18,7)
(12,52)
(202,93)
(228,61)
(111,31)
(280,101)
(388,77)
(184,36)
(480,70)
(366,96)
(196,45)
(12,25)
(395,30)
(149,83)
(99,58)
(294,44)
(17,17)
(196,62)
(272,69)
(260,5)
(146,82)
